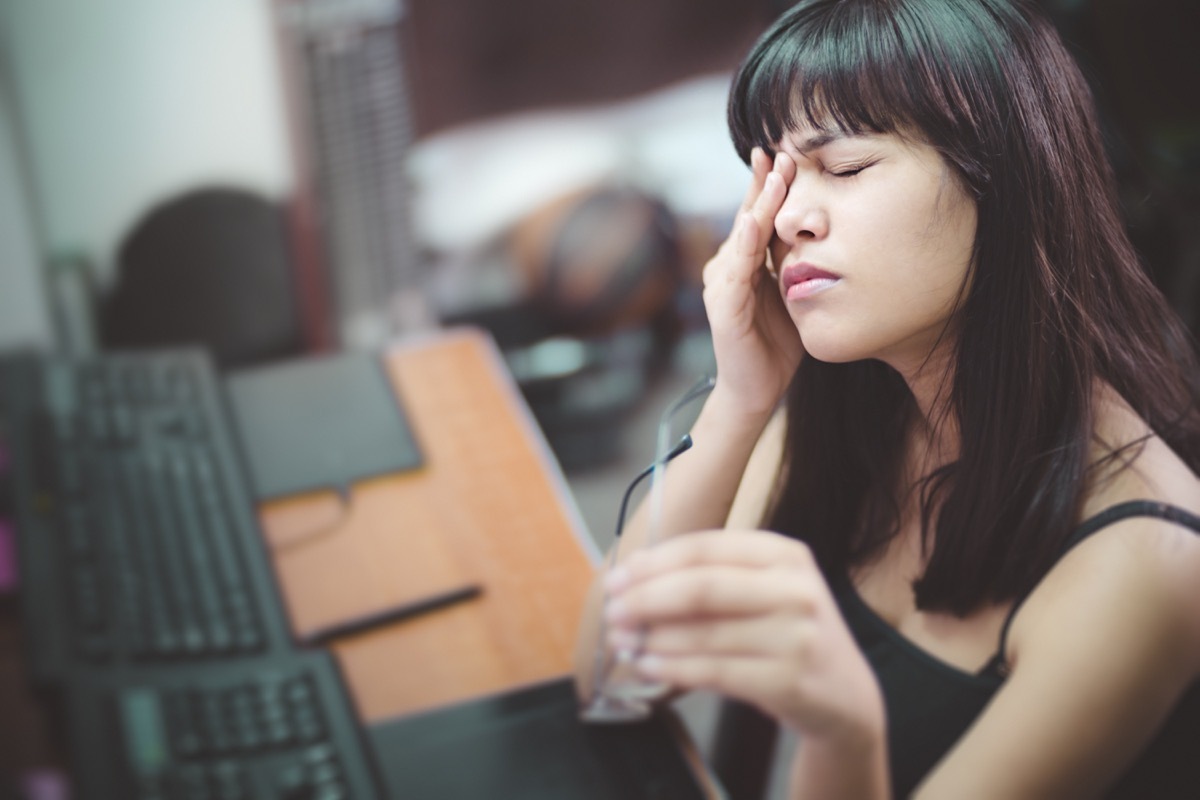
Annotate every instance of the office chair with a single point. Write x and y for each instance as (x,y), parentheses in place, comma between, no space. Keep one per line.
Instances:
(209,267)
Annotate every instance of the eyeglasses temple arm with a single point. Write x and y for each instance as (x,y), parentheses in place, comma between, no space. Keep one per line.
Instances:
(684,444)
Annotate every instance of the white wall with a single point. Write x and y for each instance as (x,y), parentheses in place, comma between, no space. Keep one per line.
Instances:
(126,102)
(24,318)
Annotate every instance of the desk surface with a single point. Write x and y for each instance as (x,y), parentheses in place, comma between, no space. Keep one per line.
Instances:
(451,522)
(489,506)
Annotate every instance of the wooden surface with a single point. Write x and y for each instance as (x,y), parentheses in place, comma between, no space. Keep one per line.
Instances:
(489,506)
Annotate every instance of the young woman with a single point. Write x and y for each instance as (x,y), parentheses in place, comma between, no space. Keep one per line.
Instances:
(980,569)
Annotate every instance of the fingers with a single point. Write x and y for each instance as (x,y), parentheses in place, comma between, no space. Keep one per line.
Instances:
(730,589)
(761,215)
(760,165)
(755,225)
(750,548)
(750,678)
(711,591)
(786,167)
(777,636)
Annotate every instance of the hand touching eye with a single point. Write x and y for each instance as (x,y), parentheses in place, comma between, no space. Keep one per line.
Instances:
(756,344)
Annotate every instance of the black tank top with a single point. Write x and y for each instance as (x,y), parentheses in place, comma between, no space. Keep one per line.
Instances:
(930,704)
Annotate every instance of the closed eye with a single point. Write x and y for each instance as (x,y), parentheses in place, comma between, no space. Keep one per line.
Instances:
(848,172)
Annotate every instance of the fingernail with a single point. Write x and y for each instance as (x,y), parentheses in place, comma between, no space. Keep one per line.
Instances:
(615,611)
(616,579)
(649,665)
(623,640)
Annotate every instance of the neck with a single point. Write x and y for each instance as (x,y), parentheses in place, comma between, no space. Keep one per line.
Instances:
(935,432)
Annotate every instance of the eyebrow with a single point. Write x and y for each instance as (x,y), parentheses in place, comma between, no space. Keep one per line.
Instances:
(817,141)
(822,138)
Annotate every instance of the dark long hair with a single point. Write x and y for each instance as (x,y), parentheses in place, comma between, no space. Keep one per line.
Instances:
(1057,300)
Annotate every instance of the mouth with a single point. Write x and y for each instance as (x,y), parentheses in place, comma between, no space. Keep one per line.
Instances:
(800,281)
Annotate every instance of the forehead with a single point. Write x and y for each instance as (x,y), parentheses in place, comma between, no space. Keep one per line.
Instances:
(804,139)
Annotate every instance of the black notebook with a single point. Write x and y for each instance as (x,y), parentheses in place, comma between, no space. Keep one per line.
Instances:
(320,423)
(530,744)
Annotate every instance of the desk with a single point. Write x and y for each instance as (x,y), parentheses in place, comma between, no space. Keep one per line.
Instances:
(489,506)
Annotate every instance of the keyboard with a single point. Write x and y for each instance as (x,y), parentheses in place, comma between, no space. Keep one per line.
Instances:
(149,604)
(274,728)
(139,539)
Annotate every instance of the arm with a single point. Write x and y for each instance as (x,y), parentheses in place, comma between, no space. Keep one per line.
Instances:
(748,614)
(757,351)
(699,492)
(1100,653)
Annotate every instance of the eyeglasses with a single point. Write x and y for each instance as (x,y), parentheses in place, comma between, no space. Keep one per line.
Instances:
(619,694)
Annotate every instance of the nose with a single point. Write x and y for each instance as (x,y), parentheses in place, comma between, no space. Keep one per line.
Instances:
(802,216)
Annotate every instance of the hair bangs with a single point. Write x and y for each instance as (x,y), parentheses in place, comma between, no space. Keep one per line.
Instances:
(839,66)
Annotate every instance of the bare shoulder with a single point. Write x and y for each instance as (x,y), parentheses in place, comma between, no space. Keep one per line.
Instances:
(1099,655)
(1156,557)
(1105,645)
(1134,462)
(1137,568)
(1136,581)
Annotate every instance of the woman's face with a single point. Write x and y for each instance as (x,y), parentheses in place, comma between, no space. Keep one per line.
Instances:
(872,246)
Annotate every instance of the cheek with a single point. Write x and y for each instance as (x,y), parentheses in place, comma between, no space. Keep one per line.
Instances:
(927,255)
(943,257)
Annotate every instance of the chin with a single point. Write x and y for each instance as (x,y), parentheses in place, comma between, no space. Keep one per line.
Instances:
(830,337)
(823,348)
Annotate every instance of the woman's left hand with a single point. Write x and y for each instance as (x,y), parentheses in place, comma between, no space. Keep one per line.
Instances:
(749,615)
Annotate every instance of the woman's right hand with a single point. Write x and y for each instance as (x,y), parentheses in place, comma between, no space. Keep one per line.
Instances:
(756,344)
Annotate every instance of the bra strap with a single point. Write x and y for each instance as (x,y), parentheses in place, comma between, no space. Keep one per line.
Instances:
(1113,514)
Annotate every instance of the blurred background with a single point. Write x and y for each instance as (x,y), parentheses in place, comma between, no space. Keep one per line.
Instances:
(275,177)
(272,178)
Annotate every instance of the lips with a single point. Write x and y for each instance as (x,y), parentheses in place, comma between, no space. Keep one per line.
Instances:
(805,280)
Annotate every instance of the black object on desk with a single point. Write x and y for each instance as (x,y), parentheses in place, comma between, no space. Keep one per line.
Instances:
(367,622)
(320,423)
(153,622)
(530,744)
(137,539)
(273,728)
